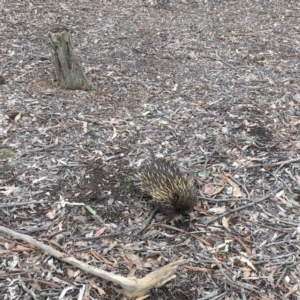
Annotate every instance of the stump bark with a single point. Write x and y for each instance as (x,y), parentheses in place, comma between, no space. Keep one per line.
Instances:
(68,70)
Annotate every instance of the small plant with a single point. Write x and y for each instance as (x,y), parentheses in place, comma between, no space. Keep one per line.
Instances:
(7,153)
(223,154)
(127,185)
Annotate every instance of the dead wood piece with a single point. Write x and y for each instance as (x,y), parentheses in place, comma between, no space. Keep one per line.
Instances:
(132,286)
(68,70)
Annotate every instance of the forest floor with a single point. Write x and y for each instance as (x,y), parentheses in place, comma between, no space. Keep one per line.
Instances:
(210,85)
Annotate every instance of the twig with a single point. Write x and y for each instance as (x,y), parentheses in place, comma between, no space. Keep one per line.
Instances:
(245,247)
(149,53)
(154,116)
(293,290)
(280,277)
(54,285)
(167,42)
(235,283)
(32,230)
(141,83)
(51,236)
(46,148)
(25,288)
(180,230)
(137,230)
(243,294)
(142,51)
(90,120)
(223,200)
(279,163)
(218,59)
(161,116)
(223,62)
(292,177)
(243,206)
(57,245)
(22,203)
(148,221)
(238,183)
(213,296)
(208,157)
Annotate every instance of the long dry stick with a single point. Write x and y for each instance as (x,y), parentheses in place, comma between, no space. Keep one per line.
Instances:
(132,287)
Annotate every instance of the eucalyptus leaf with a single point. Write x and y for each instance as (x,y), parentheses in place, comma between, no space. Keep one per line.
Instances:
(203,174)
(91,210)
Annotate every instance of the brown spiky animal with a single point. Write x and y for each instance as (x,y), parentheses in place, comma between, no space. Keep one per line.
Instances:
(171,190)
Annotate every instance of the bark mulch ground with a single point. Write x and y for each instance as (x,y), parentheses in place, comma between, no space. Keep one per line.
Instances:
(211,85)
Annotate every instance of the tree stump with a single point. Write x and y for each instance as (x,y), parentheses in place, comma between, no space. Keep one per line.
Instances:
(68,70)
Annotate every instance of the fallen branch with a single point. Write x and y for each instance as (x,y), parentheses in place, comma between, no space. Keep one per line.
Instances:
(131,286)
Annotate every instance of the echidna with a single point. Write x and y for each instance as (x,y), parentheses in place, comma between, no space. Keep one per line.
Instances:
(172,191)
